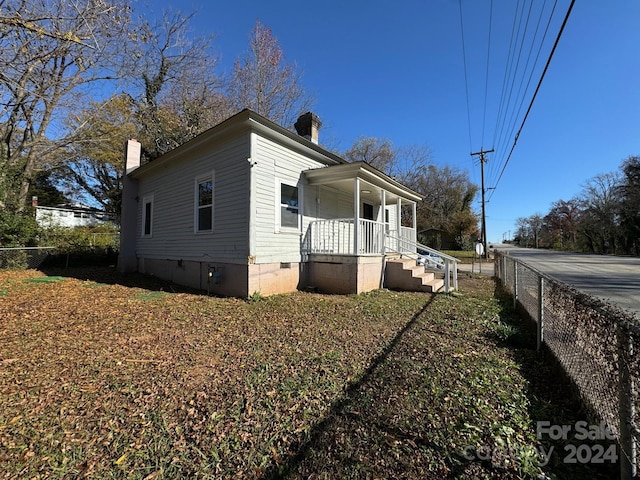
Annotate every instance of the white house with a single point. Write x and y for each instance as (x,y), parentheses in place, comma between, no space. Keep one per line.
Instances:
(249,206)
(70,215)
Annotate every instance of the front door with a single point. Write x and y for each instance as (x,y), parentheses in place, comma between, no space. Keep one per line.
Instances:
(367,211)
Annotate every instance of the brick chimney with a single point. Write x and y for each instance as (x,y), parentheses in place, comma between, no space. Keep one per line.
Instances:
(127,259)
(308,125)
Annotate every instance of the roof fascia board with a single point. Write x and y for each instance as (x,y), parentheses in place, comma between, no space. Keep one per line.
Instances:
(365,172)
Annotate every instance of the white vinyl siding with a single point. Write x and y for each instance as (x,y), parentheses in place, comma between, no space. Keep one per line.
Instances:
(275,165)
(174,221)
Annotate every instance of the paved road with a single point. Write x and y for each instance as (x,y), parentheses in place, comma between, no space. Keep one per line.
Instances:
(616,279)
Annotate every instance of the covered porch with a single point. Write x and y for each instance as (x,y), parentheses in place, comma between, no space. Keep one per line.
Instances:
(378,204)
(365,222)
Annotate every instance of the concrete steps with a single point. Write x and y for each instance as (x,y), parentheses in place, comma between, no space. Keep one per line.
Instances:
(404,274)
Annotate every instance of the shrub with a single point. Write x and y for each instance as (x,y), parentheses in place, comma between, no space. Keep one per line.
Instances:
(17,229)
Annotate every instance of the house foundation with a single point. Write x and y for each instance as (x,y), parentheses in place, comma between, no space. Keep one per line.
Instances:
(345,274)
(340,274)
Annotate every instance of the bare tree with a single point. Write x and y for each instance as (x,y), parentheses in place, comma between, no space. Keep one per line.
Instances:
(629,205)
(176,91)
(600,219)
(91,166)
(172,97)
(51,55)
(378,153)
(264,82)
(448,193)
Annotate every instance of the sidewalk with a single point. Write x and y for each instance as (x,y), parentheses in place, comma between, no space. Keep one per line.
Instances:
(486,268)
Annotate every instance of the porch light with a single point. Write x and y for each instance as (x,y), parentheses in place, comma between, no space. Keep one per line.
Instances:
(365,191)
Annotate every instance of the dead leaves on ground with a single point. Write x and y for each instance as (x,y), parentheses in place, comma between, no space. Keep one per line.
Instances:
(105,378)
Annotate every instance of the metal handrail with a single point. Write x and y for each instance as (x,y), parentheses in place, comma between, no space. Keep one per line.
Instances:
(448,259)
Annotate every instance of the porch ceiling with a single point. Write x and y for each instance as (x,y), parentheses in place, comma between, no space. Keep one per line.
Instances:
(373,181)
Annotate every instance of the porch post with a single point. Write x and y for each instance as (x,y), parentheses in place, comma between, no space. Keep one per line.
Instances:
(383,214)
(399,225)
(356,216)
(414,221)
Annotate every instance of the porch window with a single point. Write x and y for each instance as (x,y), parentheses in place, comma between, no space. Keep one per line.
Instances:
(289,209)
(147,215)
(204,204)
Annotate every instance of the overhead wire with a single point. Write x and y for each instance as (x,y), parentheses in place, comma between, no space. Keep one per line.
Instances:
(486,78)
(523,93)
(535,94)
(509,109)
(506,74)
(466,80)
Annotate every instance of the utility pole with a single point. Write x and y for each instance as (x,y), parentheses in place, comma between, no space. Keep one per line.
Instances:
(483,160)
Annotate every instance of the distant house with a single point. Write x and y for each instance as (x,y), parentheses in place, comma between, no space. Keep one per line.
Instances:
(70,215)
(249,206)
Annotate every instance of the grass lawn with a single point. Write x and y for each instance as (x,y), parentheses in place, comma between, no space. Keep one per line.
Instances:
(105,379)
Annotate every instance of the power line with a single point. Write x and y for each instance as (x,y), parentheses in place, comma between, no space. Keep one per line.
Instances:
(486,79)
(506,75)
(466,81)
(546,67)
(495,169)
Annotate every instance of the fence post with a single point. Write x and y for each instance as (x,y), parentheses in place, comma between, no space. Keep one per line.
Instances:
(626,409)
(540,312)
(503,273)
(515,284)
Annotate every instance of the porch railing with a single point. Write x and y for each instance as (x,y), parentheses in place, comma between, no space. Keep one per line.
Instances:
(404,242)
(337,237)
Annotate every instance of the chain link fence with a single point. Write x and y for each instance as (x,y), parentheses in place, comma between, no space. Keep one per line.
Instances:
(91,249)
(24,257)
(593,342)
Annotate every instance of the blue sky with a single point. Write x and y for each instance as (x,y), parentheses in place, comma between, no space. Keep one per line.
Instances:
(396,71)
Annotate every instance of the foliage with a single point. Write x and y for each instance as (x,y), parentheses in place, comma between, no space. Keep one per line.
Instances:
(52,54)
(17,229)
(448,193)
(80,239)
(174,88)
(603,218)
(43,187)
(628,208)
(104,380)
(93,162)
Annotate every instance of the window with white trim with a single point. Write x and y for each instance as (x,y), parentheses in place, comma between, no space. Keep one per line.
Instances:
(147,215)
(204,204)
(289,206)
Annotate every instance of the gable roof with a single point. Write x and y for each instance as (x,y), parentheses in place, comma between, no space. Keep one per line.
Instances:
(245,121)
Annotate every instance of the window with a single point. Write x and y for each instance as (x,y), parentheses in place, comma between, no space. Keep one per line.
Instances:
(288,206)
(204,205)
(147,216)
